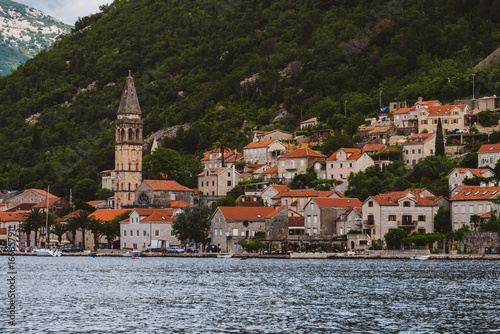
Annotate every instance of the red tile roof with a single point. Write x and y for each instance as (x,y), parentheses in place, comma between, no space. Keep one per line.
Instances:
(486,215)
(157,217)
(351,153)
(303,193)
(429,103)
(43,204)
(414,138)
(147,212)
(257,144)
(242,213)
(471,193)
(373,147)
(443,110)
(280,187)
(166,185)
(272,170)
(337,202)
(180,204)
(296,221)
(13,216)
(272,214)
(394,197)
(310,120)
(476,171)
(302,152)
(235,158)
(43,192)
(94,203)
(489,148)
(106,215)
(402,111)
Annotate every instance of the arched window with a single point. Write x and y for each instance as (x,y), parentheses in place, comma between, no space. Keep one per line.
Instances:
(122,135)
(137,134)
(130,134)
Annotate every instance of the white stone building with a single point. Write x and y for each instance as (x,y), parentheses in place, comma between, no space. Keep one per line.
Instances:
(218,181)
(418,146)
(458,175)
(263,152)
(488,155)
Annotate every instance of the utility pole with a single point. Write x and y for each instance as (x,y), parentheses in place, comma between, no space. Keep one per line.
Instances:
(345,109)
(380,99)
(473,86)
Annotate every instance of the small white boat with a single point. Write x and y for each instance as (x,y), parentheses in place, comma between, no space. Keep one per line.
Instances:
(421,258)
(48,252)
(132,253)
(224,256)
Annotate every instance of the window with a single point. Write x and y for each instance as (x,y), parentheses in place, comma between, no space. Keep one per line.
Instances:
(432,151)
(157,233)
(413,151)
(302,162)
(228,174)
(309,219)
(229,183)
(172,233)
(143,233)
(406,151)
(137,233)
(331,165)
(421,218)
(235,232)
(341,165)
(406,204)
(419,151)
(215,232)
(350,164)
(312,206)
(414,162)
(202,183)
(124,233)
(370,204)
(220,231)
(421,230)
(341,176)
(134,245)
(315,219)
(292,164)
(392,218)
(282,163)
(213,183)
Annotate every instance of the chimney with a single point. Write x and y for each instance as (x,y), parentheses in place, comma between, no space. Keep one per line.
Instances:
(420,99)
(492,183)
(482,184)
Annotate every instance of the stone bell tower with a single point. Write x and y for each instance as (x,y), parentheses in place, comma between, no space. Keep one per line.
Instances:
(128,147)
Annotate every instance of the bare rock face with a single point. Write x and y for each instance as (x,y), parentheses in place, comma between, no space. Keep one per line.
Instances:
(33,118)
(160,134)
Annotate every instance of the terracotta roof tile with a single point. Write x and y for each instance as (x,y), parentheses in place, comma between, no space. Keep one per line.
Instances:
(471,193)
(242,213)
(106,215)
(443,110)
(272,170)
(257,144)
(414,138)
(296,222)
(180,204)
(166,185)
(156,216)
(394,197)
(373,147)
(337,202)
(489,148)
(351,153)
(272,214)
(310,120)
(303,193)
(402,111)
(302,152)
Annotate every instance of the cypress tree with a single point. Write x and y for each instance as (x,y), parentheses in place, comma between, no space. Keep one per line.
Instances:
(439,149)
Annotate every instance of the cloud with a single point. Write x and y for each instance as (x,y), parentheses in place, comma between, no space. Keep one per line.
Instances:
(67,11)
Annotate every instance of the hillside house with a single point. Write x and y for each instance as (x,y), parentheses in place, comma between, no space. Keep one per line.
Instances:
(218,181)
(263,152)
(297,162)
(297,199)
(311,122)
(272,135)
(418,146)
(159,193)
(345,161)
(488,155)
(412,210)
(458,175)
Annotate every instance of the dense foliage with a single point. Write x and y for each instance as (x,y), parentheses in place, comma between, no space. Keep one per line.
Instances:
(227,67)
(193,224)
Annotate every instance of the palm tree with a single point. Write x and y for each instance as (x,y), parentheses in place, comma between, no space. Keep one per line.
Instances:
(35,218)
(82,220)
(27,227)
(59,229)
(72,227)
(111,230)
(94,226)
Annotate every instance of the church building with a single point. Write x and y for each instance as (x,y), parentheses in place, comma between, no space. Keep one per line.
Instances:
(128,147)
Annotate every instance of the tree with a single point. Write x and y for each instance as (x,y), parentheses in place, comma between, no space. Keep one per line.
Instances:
(442,221)
(72,227)
(59,229)
(85,189)
(81,221)
(394,238)
(35,219)
(193,224)
(28,226)
(474,220)
(95,227)
(488,118)
(301,181)
(103,194)
(333,143)
(439,148)
(111,229)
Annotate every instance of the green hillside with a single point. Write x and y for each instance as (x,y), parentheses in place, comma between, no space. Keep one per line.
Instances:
(228,67)
(24,31)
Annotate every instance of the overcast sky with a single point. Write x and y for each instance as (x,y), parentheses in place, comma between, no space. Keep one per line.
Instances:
(67,11)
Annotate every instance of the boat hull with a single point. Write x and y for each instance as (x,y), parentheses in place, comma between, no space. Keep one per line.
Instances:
(48,252)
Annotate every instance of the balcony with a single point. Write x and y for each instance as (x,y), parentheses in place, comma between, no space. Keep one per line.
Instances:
(369,222)
(407,224)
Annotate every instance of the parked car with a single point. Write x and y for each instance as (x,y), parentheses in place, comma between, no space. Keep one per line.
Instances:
(451,132)
(173,249)
(192,249)
(462,131)
(65,249)
(212,249)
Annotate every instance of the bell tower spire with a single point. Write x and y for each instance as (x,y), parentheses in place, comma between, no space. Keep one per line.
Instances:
(128,147)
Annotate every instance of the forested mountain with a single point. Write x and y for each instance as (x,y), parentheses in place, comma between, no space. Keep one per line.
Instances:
(24,31)
(227,67)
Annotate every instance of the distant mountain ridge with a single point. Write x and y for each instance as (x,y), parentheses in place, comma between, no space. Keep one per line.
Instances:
(24,31)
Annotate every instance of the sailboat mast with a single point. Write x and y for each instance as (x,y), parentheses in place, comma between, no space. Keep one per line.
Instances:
(47,220)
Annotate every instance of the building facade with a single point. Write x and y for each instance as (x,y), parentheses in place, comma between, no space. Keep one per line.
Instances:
(218,181)
(128,147)
(418,146)
(488,155)
(458,175)
(160,193)
(345,161)
(297,162)
(263,152)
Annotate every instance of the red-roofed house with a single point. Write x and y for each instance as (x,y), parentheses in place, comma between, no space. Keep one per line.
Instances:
(272,191)
(457,176)
(297,199)
(108,179)
(159,193)
(14,219)
(213,158)
(488,155)
(452,117)
(321,214)
(270,175)
(297,162)
(148,228)
(412,210)
(29,196)
(218,181)
(405,117)
(263,152)
(232,224)
(55,204)
(345,161)
(466,201)
(373,148)
(418,146)
(309,123)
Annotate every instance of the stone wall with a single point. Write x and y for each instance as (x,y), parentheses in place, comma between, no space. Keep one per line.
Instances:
(476,242)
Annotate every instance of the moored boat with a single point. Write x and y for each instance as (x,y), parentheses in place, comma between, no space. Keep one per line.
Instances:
(421,258)
(224,256)
(48,252)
